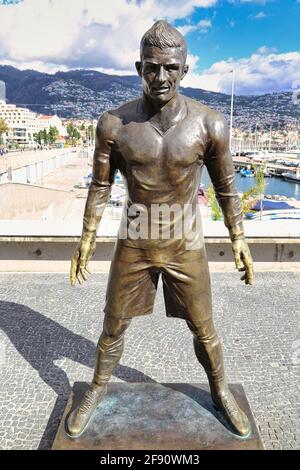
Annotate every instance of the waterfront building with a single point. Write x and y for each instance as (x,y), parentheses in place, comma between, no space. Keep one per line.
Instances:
(45,122)
(2,91)
(21,123)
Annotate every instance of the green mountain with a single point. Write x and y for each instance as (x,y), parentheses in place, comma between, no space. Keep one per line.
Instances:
(88,93)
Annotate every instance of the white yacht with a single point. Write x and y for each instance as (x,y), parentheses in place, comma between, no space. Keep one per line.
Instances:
(292,176)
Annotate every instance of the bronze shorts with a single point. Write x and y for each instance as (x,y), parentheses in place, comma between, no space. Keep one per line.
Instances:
(134,275)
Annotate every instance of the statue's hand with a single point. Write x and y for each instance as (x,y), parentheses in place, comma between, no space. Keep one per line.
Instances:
(79,263)
(243,260)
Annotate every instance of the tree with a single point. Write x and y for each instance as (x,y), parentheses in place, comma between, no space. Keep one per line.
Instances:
(255,191)
(260,184)
(73,133)
(76,134)
(91,133)
(70,130)
(213,202)
(53,134)
(248,198)
(3,128)
(42,137)
(37,137)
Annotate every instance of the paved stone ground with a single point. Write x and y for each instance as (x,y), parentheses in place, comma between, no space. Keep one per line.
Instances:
(49,332)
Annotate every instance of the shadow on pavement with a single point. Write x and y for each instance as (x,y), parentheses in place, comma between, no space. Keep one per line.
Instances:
(41,341)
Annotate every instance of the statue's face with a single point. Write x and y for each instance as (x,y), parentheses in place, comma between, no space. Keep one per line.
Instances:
(161,71)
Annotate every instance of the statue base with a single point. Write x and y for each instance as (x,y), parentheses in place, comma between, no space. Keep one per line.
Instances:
(170,416)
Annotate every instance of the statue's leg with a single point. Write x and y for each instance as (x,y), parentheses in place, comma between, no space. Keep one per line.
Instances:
(209,353)
(110,348)
(109,351)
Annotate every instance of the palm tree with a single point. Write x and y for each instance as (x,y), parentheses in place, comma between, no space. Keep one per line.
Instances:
(257,190)
(247,198)
(213,202)
(3,128)
(260,171)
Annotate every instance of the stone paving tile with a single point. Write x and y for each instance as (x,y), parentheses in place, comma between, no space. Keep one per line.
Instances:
(49,331)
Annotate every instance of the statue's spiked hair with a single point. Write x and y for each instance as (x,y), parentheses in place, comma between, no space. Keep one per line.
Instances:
(163,35)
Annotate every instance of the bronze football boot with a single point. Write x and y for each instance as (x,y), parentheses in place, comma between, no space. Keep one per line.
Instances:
(79,418)
(226,403)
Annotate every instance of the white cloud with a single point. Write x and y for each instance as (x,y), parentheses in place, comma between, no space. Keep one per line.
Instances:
(179,8)
(266,50)
(204,25)
(88,36)
(261,2)
(262,72)
(187,28)
(35,65)
(259,15)
(192,60)
(85,33)
(53,68)
(51,35)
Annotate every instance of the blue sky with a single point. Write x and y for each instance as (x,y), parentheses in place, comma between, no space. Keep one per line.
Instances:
(238,29)
(259,39)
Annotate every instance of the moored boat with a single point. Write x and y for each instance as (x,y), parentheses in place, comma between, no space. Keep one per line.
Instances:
(292,176)
(274,214)
(247,173)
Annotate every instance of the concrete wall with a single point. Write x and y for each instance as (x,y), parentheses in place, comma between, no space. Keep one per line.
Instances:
(24,201)
(54,253)
(31,166)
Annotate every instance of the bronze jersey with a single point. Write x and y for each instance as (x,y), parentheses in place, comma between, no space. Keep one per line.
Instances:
(161,169)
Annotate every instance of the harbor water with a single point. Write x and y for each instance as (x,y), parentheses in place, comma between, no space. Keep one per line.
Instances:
(274,186)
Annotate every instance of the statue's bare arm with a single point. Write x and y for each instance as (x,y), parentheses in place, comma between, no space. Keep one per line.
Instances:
(219,163)
(104,168)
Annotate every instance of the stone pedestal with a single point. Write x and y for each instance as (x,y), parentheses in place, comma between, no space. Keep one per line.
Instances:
(157,416)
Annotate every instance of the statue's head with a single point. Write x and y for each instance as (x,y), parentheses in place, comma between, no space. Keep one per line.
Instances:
(162,66)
